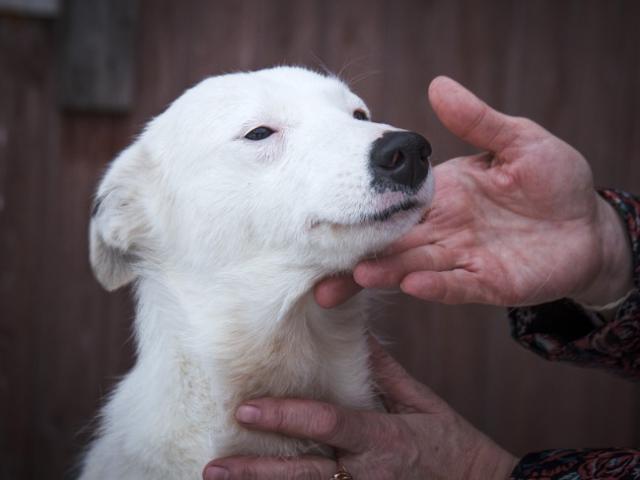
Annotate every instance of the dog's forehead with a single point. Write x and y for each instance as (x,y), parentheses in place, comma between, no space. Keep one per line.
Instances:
(223,107)
(279,85)
(302,80)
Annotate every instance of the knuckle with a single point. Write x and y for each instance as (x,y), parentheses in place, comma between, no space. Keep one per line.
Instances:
(280,420)
(281,416)
(328,423)
(391,432)
(443,292)
(524,124)
(249,472)
(477,121)
(425,258)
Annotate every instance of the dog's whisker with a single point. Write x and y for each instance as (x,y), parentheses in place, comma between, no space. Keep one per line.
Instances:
(351,63)
(363,76)
(321,63)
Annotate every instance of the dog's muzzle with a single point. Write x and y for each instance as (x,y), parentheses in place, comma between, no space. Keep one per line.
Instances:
(399,161)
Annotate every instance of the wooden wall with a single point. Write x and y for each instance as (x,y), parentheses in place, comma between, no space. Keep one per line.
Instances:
(573,66)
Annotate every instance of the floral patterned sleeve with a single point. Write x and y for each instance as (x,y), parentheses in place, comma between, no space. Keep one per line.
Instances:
(565,331)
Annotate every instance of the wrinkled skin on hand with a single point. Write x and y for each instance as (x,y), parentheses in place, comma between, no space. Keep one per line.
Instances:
(520,224)
(420,438)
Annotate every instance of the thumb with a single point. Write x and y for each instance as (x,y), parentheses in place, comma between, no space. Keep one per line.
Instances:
(469,118)
(400,391)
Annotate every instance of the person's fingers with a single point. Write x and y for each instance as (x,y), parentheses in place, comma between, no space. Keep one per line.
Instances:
(329,424)
(421,234)
(389,271)
(469,118)
(333,291)
(400,391)
(266,468)
(452,287)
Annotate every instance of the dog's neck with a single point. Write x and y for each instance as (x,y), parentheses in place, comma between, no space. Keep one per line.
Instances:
(246,333)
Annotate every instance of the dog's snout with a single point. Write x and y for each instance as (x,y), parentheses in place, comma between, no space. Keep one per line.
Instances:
(400,160)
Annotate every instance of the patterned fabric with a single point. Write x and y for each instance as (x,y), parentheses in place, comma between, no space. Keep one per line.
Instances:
(565,331)
(601,464)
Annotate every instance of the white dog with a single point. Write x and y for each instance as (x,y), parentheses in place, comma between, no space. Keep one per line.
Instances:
(227,209)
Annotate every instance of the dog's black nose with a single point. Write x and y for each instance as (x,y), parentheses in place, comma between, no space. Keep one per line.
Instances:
(399,160)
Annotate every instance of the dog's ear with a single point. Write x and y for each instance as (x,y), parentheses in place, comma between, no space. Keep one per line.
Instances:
(118,221)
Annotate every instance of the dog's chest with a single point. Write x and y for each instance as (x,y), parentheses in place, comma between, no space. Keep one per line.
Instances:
(323,360)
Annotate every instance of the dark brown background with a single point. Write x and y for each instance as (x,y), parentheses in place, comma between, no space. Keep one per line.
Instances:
(573,66)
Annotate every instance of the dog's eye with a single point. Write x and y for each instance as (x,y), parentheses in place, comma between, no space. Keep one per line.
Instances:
(259,133)
(360,115)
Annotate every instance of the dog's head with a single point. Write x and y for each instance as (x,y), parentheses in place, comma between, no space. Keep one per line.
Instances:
(280,162)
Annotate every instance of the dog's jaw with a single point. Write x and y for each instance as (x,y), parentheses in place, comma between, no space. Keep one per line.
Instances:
(339,243)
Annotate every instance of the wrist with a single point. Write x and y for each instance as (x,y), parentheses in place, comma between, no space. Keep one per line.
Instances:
(505,467)
(500,468)
(492,462)
(613,278)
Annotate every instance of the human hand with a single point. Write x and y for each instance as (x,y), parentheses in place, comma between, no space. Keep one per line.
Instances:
(519,225)
(421,437)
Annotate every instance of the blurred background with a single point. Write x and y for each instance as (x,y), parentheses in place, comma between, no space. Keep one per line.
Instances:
(79,78)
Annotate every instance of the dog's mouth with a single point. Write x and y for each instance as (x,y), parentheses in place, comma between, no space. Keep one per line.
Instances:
(386,214)
(381,216)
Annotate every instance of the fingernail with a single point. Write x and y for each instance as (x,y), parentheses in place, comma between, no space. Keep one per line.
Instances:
(215,472)
(248,414)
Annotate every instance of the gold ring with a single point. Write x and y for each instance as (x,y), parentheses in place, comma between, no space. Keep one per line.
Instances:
(342,474)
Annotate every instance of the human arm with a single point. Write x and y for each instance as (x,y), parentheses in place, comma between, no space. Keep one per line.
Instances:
(568,331)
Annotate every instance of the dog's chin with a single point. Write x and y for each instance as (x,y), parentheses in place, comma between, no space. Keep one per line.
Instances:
(364,232)
(409,211)
(339,245)
(386,226)
(382,216)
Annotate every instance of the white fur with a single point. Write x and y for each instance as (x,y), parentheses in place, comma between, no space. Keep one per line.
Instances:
(224,239)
